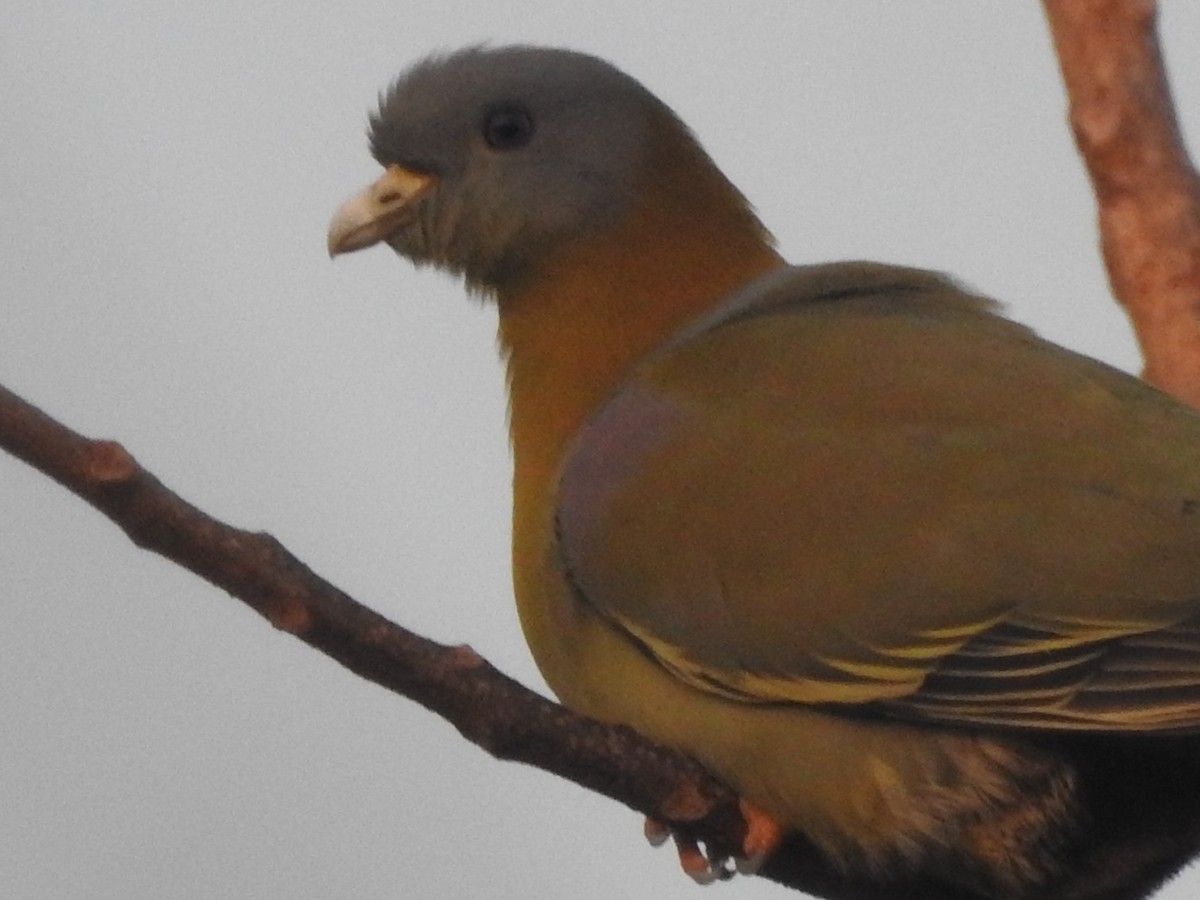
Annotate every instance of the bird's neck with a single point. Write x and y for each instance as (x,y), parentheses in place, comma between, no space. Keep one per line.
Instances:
(572,334)
(572,331)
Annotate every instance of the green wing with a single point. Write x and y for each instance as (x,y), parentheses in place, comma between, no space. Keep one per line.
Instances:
(858,485)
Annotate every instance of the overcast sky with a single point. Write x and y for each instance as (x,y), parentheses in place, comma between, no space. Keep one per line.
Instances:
(167,171)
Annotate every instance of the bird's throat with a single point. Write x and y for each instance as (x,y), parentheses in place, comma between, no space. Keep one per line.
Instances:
(572,334)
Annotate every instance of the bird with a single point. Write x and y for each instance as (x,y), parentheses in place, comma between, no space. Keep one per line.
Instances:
(922,587)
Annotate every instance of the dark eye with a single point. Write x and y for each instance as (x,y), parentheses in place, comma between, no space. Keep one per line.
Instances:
(508,127)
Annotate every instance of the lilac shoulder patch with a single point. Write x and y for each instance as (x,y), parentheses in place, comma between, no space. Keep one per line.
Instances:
(608,455)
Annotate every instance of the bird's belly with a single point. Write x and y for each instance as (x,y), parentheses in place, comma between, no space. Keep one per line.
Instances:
(873,795)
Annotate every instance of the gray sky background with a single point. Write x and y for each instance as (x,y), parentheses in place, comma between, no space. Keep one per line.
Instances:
(167,171)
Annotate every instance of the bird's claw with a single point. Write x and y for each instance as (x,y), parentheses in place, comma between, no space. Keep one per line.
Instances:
(695,863)
(763,835)
(749,865)
(656,832)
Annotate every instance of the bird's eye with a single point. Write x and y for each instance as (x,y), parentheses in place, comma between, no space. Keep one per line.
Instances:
(508,127)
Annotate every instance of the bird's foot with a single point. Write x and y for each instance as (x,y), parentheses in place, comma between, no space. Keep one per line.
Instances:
(763,835)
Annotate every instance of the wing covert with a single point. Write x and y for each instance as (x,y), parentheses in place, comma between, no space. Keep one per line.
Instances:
(880,494)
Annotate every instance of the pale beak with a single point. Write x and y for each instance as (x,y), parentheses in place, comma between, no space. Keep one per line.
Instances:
(385,206)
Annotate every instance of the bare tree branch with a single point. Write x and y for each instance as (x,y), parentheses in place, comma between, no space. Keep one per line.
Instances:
(490,709)
(1147,192)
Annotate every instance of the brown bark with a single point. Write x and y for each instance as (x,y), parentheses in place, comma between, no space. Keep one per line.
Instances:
(1147,193)
(488,708)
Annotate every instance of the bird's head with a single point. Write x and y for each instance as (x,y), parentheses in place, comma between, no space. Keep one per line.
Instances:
(494,158)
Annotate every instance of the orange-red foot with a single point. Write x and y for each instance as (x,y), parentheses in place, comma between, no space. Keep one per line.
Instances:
(763,835)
